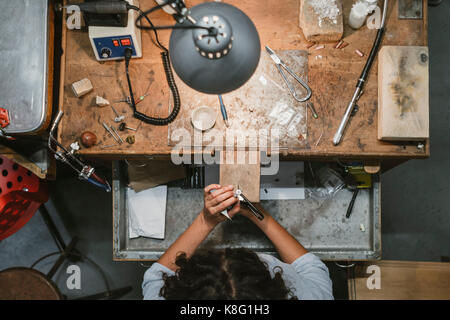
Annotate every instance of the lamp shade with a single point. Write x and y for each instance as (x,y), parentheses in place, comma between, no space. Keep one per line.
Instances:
(221,63)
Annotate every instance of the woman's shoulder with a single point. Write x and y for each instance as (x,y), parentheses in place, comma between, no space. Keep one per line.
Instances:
(307,276)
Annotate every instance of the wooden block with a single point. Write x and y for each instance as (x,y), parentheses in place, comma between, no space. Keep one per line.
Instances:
(401,280)
(82,87)
(403,93)
(317,25)
(246,175)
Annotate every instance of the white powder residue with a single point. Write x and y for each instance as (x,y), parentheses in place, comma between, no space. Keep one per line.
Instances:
(325,9)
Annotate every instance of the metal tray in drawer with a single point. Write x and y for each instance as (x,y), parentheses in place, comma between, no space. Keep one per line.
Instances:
(320,226)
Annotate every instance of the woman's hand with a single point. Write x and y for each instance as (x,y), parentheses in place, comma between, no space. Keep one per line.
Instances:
(217,201)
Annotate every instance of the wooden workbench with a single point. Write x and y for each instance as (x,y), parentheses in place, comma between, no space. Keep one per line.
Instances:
(332,80)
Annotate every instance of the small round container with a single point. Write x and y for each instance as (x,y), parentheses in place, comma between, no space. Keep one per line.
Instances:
(203,118)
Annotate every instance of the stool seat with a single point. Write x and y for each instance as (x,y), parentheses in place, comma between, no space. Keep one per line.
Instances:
(27,284)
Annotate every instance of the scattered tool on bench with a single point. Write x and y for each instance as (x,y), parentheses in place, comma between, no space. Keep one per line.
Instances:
(126,100)
(118,118)
(131,139)
(351,185)
(108,128)
(117,134)
(123,126)
(223,110)
(279,63)
(356,178)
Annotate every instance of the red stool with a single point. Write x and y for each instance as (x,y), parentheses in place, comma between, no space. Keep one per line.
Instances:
(21,194)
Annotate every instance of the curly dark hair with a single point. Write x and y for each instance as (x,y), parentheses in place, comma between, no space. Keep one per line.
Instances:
(227,274)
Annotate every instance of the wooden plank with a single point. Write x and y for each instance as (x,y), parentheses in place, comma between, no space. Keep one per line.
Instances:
(24,162)
(402,280)
(331,78)
(403,111)
(241,169)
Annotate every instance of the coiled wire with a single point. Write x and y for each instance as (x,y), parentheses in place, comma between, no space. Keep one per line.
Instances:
(173,88)
(167,70)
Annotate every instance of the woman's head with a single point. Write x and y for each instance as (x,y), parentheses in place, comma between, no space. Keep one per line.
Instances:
(223,274)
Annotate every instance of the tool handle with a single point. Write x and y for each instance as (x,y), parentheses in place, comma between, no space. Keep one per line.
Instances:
(283,75)
(340,132)
(352,203)
(222,108)
(252,208)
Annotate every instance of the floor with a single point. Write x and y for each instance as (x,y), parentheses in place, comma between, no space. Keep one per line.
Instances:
(415,218)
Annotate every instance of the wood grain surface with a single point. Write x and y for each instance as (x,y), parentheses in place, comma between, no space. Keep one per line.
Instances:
(332,78)
(403,93)
(242,169)
(264,102)
(401,280)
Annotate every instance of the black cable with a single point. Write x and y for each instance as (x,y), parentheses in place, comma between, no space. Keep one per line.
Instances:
(144,14)
(165,60)
(177,26)
(172,86)
(371,59)
(167,69)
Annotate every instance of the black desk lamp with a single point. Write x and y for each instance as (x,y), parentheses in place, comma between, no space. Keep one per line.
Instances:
(218,60)
(214,49)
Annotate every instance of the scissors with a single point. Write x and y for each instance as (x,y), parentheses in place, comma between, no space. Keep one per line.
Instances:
(279,63)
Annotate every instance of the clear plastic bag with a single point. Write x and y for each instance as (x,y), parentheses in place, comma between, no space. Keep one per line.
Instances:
(329,183)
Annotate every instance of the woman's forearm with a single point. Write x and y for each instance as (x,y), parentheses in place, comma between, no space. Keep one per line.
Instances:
(216,199)
(287,246)
(188,242)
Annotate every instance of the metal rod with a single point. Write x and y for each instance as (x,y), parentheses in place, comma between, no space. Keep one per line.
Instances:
(52,228)
(67,251)
(115,131)
(340,132)
(107,128)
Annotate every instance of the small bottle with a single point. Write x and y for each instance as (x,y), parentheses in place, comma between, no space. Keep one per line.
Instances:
(358,14)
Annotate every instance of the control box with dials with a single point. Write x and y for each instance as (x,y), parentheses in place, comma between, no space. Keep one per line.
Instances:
(109,43)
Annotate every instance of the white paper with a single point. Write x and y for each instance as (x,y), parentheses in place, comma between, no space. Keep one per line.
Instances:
(147,212)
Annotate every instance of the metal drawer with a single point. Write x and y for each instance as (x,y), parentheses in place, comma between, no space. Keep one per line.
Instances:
(320,226)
